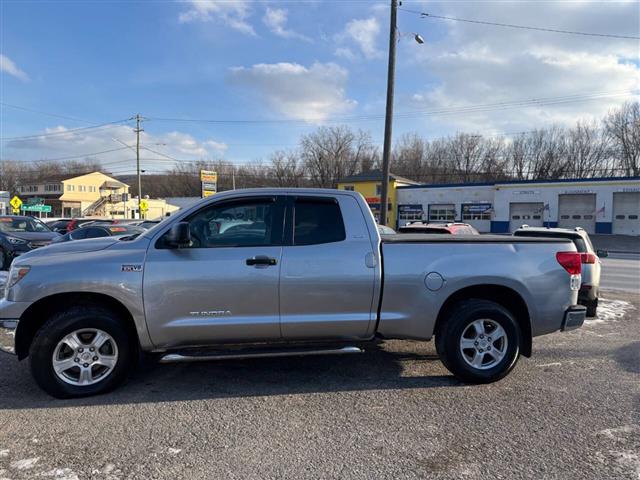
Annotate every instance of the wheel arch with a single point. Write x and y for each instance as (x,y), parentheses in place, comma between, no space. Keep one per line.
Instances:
(504,296)
(37,314)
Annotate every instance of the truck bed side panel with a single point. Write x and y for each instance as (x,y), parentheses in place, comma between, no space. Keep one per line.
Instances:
(409,308)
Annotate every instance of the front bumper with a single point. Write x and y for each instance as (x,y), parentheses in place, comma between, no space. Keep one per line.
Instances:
(574,317)
(7,335)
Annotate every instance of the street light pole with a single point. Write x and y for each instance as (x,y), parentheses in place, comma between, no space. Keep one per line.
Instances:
(386,150)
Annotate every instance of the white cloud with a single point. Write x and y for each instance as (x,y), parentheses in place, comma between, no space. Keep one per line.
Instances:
(276,21)
(233,13)
(364,34)
(475,65)
(66,142)
(310,93)
(7,65)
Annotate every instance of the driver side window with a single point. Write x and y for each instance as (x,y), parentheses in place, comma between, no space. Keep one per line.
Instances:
(249,223)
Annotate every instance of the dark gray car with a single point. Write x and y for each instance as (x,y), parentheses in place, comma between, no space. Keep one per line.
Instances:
(20,235)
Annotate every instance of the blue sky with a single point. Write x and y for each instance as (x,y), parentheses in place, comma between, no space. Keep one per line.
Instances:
(289,67)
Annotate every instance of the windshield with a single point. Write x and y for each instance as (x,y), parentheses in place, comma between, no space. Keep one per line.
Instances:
(21,224)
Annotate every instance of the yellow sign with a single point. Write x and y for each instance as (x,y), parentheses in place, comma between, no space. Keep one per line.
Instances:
(208,176)
(144,206)
(207,193)
(15,203)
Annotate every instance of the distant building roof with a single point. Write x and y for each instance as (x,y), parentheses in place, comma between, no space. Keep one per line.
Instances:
(375,176)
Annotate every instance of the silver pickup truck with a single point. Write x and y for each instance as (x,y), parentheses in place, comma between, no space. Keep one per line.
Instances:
(274,272)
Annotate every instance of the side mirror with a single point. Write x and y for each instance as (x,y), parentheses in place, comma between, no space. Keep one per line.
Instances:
(602,253)
(178,236)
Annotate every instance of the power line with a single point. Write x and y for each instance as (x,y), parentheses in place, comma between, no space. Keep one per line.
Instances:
(523,27)
(71,157)
(480,108)
(69,131)
(26,109)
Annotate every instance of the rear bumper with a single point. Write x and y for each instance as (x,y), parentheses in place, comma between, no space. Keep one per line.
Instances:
(7,335)
(574,317)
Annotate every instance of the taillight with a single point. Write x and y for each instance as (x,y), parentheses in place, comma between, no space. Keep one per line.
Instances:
(588,258)
(570,261)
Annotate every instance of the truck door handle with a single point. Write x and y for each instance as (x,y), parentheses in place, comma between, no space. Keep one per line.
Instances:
(261,260)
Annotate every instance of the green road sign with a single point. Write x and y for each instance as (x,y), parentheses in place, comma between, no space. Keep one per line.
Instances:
(37,208)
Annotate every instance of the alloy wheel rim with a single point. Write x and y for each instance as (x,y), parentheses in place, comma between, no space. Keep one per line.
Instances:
(85,357)
(483,344)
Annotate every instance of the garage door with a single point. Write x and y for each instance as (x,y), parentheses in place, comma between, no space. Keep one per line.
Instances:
(626,208)
(525,214)
(577,210)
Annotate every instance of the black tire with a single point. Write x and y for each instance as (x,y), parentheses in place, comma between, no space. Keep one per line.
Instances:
(450,333)
(592,308)
(63,323)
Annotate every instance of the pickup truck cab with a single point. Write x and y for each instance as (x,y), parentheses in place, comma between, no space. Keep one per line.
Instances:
(272,272)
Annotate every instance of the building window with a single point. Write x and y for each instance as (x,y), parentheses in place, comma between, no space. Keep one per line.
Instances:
(410,212)
(378,190)
(70,188)
(442,213)
(52,187)
(350,188)
(476,211)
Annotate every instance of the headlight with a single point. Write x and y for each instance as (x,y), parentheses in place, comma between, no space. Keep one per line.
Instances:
(16,241)
(15,275)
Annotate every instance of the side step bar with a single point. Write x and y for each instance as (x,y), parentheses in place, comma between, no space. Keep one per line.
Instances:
(204,357)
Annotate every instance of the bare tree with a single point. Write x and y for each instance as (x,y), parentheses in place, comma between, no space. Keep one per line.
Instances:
(332,153)
(623,127)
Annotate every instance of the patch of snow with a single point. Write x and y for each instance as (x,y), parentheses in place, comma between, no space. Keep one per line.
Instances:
(25,463)
(629,459)
(618,433)
(4,453)
(175,451)
(610,310)
(61,474)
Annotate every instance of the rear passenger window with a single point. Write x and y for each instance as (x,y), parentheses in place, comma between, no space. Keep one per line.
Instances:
(317,221)
(633,217)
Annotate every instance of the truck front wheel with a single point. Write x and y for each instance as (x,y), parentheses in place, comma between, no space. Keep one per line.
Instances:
(83,351)
(479,342)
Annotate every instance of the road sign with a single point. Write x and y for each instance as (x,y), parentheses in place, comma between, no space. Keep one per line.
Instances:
(144,206)
(36,208)
(208,176)
(209,181)
(16,202)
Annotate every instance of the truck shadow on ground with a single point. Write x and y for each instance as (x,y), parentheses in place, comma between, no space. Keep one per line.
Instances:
(376,369)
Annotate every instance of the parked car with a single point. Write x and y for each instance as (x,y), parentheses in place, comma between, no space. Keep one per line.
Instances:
(444,228)
(591,265)
(302,276)
(65,225)
(96,231)
(384,230)
(21,234)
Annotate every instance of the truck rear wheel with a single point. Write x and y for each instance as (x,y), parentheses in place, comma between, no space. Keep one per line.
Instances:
(83,351)
(479,342)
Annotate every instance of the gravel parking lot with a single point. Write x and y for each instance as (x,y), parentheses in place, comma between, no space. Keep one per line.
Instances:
(571,411)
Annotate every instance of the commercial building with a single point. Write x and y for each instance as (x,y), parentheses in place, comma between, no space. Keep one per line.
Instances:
(93,194)
(4,202)
(369,184)
(599,205)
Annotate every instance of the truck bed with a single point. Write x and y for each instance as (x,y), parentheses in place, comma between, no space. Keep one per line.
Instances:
(442,238)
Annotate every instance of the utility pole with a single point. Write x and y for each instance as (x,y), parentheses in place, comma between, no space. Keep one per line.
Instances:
(386,149)
(138,130)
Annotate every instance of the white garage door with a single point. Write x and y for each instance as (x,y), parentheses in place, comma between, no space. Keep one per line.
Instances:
(525,214)
(577,210)
(626,208)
